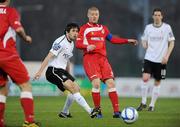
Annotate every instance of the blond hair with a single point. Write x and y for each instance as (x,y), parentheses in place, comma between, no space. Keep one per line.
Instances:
(93,8)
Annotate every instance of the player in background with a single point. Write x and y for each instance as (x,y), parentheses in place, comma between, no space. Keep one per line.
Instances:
(11,64)
(158,40)
(91,40)
(56,73)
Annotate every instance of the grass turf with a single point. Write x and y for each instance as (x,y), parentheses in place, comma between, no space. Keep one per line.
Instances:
(166,114)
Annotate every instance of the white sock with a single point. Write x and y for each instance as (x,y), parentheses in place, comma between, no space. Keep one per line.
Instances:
(155,94)
(68,103)
(2,98)
(144,91)
(81,101)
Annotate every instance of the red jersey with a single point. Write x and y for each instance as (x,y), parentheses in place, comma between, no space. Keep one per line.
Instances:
(9,22)
(97,35)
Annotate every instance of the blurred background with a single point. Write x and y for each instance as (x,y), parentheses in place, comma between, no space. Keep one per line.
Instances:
(45,20)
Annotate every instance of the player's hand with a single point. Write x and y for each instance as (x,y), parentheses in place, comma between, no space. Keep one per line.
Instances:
(165,60)
(28,39)
(90,48)
(133,41)
(37,76)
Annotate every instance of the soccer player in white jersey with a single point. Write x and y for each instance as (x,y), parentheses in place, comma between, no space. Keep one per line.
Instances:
(56,73)
(158,40)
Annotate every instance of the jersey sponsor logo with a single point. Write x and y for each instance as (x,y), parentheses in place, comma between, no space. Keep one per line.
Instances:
(2,10)
(56,47)
(158,38)
(97,38)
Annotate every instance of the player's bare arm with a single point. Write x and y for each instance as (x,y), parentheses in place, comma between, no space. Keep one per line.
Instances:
(169,51)
(43,65)
(144,44)
(21,32)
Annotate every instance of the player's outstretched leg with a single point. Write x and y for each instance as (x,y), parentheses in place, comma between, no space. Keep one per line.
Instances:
(81,101)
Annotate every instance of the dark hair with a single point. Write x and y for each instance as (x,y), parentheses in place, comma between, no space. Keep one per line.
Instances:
(157,9)
(69,26)
(2,1)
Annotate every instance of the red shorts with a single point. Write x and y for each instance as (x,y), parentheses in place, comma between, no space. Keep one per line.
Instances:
(97,66)
(15,69)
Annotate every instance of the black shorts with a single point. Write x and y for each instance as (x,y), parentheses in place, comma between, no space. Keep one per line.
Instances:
(157,70)
(57,76)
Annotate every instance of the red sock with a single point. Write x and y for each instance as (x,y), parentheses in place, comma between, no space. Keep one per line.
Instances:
(2,109)
(96,99)
(114,100)
(28,107)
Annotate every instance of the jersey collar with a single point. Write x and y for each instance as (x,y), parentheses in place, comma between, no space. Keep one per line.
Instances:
(157,26)
(68,39)
(93,24)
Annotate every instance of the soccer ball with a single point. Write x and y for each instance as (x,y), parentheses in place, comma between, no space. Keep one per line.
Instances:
(129,115)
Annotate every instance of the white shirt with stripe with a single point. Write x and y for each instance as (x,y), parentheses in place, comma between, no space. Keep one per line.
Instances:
(63,51)
(158,39)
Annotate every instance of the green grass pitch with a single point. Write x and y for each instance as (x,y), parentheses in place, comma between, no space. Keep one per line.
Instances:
(166,114)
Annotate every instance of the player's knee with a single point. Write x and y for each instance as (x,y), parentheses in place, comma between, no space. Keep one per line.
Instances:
(74,88)
(157,82)
(96,83)
(25,86)
(110,83)
(4,90)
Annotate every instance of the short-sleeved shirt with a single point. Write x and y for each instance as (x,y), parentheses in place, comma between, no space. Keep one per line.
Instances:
(9,22)
(158,39)
(63,51)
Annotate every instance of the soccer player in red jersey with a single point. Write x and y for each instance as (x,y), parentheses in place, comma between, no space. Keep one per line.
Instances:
(91,40)
(11,64)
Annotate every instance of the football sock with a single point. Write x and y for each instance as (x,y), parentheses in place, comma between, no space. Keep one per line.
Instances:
(81,101)
(155,94)
(68,103)
(27,105)
(2,109)
(114,99)
(144,91)
(96,97)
